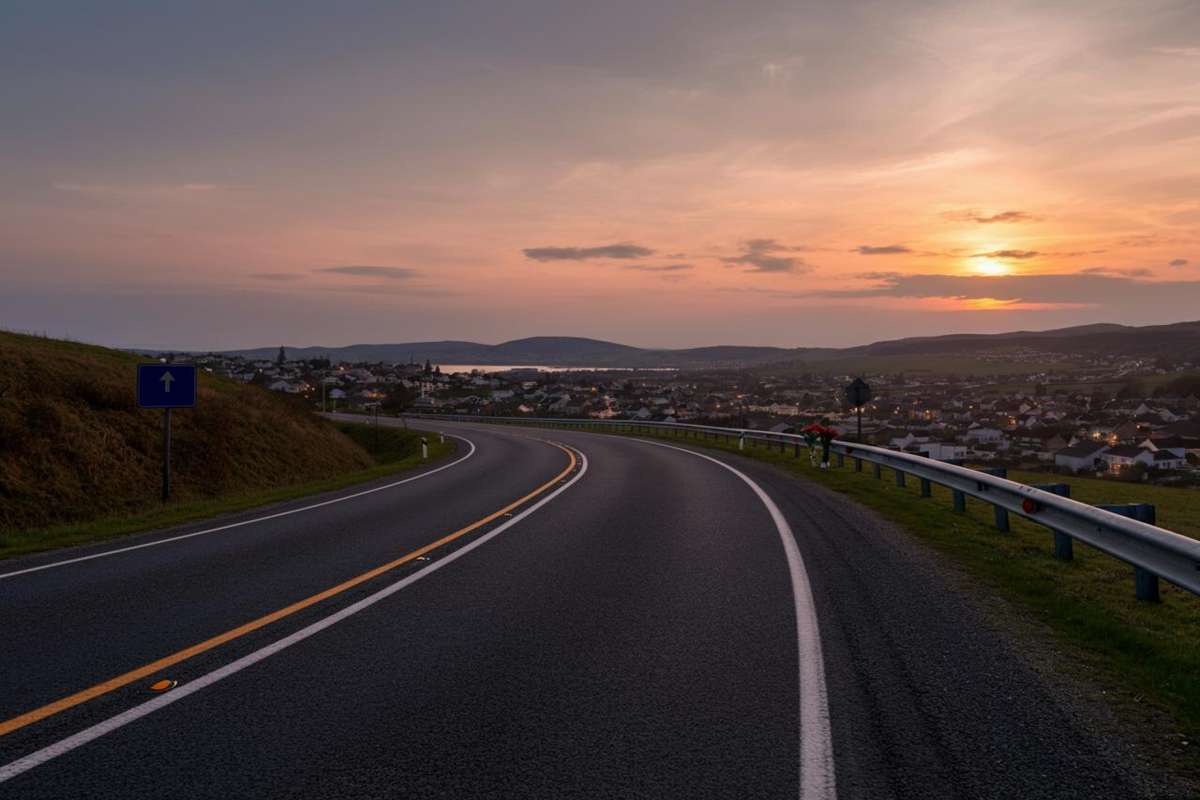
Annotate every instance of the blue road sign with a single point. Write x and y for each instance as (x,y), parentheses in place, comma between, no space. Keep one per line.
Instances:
(166,385)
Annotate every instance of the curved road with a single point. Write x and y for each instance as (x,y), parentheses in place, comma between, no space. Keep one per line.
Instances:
(554,614)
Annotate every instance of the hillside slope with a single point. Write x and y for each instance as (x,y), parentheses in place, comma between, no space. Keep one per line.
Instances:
(74,446)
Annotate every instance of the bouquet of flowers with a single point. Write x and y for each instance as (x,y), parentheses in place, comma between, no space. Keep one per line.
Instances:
(819,433)
(810,434)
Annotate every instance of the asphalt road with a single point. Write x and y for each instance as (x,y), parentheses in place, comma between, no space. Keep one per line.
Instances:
(613,618)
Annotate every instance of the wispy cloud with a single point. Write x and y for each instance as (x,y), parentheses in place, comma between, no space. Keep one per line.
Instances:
(882,250)
(1134,272)
(276,276)
(759,256)
(156,191)
(620,250)
(1179,262)
(974,215)
(1187,52)
(391,273)
(659,267)
(1075,289)
(1008,255)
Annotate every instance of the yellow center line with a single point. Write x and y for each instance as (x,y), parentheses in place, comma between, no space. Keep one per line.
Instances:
(147,670)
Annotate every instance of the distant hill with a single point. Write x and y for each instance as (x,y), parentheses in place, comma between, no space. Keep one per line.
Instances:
(1180,340)
(74,446)
(549,351)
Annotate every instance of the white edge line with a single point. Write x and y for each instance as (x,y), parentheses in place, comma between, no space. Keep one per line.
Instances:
(39,757)
(817,776)
(157,542)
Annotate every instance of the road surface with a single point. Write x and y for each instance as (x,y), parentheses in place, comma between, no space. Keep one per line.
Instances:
(548,614)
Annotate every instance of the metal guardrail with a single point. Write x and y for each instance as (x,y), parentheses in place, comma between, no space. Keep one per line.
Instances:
(1153,552)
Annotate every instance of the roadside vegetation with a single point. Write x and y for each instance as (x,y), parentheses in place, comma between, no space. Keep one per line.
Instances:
(80,462)
(1147,656)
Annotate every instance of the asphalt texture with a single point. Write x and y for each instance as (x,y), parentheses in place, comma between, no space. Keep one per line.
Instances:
(635,636)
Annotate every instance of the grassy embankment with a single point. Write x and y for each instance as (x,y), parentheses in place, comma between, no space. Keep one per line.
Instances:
(1146,655)
(79,462)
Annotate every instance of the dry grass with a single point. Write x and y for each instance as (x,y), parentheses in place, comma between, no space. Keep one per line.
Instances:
(75,447)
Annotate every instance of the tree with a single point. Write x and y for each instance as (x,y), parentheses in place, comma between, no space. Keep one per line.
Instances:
(282,357)
(399,397)
(428,367)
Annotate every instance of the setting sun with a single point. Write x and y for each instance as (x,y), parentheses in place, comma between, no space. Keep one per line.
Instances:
(989,266)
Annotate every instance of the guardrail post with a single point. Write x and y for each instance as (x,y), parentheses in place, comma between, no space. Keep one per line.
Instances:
(796,454)
(841,457)
(858,465)
(877,469)
(960,501)
(926,488)
(1145,583)
(742,441)
(899,478)
(1064,546)
(1000,514)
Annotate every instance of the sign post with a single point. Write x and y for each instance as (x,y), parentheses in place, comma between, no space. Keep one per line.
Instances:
(166,386)
(858,394)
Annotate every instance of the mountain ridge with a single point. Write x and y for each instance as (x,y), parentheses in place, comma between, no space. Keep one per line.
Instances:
(1179,339)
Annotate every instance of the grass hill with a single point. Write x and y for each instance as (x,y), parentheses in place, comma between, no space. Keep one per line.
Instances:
(75,447)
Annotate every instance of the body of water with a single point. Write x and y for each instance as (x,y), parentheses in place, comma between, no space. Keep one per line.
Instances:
(506,367)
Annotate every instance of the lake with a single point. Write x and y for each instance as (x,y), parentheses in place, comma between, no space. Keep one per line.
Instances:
(506,367)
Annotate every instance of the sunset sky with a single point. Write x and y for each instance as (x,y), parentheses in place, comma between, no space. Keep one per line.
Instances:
(657,173)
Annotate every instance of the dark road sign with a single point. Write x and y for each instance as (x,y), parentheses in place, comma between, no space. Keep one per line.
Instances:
(858,393)
(166,385)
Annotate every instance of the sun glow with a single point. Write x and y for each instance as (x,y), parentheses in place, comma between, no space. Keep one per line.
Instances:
(989,266)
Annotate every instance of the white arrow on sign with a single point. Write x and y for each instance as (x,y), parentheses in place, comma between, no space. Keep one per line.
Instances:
(167,379)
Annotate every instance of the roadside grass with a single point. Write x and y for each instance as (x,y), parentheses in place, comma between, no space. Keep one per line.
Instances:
(393,450)
(1147,656)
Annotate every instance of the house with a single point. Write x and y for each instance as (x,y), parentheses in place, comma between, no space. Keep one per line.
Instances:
(1165,459)
(1082,456)
(908,441)
(1125,456)
(1187,429)
(1128,432)
(982,434)
(1051,446)
(1176,445)
(942,451)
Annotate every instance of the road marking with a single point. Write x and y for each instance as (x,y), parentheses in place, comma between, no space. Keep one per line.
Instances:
(15,768)
(147,670)
(817,778)
(277,515)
